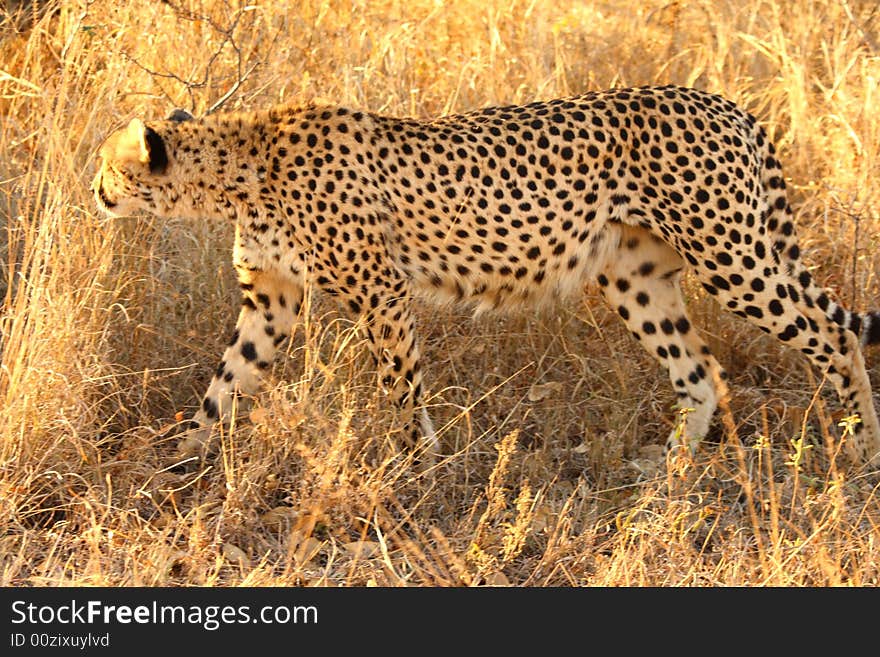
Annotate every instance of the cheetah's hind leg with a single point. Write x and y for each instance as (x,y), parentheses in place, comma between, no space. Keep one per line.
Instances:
(393,344)
(642,285)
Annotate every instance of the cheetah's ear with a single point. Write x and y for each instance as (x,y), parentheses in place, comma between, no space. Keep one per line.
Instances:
(180,115)
(147,145)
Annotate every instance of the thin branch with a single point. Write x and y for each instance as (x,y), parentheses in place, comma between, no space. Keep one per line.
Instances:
(231,92)
(855,215)
(227,33)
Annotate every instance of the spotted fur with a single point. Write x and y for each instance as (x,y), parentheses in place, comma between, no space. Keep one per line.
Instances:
(500,207)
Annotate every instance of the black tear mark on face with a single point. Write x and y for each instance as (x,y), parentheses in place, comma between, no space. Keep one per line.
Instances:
(156,148)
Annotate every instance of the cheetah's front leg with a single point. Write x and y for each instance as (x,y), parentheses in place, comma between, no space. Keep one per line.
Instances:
(270,304)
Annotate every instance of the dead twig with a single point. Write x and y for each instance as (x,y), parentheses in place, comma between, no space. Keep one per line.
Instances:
(227,33)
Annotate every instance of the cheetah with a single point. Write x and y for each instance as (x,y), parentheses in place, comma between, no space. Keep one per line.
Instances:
(498,208)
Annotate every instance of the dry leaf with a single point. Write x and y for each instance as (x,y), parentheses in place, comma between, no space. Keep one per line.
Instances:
(541,391)
(163,520)
(278,516)
(650,461)
(544,519)
(362,549)
(236,555)
(193,442)
(258,415)
(496,579)
(189,447)
(306,550)
(652,453)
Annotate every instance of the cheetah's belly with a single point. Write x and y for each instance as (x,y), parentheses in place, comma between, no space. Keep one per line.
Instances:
(512,274)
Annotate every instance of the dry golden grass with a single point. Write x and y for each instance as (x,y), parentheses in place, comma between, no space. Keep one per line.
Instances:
(110,328)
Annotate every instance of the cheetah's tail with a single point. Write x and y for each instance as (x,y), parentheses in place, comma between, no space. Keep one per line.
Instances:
(870,325)
(780,227)
(865,325)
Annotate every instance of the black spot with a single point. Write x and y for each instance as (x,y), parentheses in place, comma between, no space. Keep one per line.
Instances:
(210,408)
(249,351)
(720,282)
(789,333)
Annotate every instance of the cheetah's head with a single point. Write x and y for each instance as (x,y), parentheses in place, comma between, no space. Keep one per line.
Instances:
(134,163)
